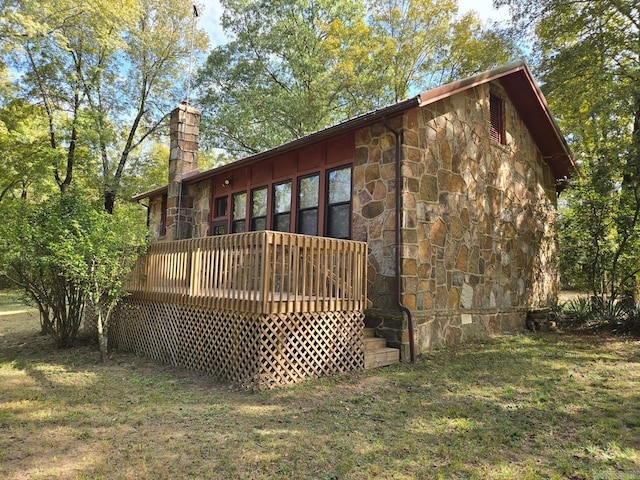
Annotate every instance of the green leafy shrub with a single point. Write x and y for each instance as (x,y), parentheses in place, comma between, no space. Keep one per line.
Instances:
(610,313)
(65,253)
(577,311)
(630,325)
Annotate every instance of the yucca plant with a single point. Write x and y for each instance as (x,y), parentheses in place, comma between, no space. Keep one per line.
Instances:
(610,313)
(631,324)
(577,311)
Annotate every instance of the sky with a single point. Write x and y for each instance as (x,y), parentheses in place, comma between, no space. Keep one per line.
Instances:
(209,16)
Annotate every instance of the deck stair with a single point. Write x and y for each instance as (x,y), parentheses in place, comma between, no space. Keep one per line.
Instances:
(376,352)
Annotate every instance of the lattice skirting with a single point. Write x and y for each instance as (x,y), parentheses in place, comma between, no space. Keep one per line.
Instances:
(255,350)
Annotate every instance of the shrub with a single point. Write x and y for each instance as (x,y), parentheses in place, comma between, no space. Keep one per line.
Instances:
(66,252)
(631,323)
(610,313)
(577,311)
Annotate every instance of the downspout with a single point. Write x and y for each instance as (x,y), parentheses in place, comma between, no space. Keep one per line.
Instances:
(398,237)
(148,207)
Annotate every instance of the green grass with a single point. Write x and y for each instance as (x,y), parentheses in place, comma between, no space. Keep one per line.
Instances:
(10,301)
(539,406)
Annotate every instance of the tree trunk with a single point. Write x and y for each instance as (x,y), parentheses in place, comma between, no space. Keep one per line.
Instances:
(103,339)
(109,201)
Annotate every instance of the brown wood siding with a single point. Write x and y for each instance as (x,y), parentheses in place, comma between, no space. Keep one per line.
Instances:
(316,158)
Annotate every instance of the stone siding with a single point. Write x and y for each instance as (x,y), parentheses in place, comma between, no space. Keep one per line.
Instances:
(201,195)
(155,218)
(184,125)
(478,221)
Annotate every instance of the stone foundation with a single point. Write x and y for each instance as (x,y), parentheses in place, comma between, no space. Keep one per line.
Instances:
(442,329)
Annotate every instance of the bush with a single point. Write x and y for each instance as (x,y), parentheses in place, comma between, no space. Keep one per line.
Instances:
(621,317)
(610,313)
(630,325)
(577,311)
(66,252)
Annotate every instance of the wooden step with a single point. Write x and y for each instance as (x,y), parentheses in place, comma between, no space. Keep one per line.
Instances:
(376,352)
(381,357)
(374,343)
(369,332)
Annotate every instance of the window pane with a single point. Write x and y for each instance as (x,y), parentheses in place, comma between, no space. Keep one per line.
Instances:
(259,202)
(240,206)
(221,207)
(340,185)
(282,222)
(238,227)
(308,192)
(219,228)
(338,221)
(282,197)
(308,222)
(259,223)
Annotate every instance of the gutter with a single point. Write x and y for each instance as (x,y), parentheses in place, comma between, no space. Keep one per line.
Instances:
(398,238)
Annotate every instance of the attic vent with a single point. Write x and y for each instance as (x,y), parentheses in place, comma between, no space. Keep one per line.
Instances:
(496,105)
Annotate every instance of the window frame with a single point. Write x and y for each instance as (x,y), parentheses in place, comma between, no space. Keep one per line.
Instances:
(330,206)
(275,216)
(252,217)
(316,208)
(236,221)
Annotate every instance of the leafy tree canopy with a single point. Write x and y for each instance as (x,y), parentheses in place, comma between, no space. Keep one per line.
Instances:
(66,253)
(294,67)
(105,74)
(588,57)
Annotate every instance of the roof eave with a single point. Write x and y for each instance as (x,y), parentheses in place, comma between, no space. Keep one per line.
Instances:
(151,193)
(338,129)
(555,152)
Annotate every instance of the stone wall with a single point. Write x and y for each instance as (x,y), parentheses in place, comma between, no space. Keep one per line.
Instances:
(184,124)
(478,221)
(155,218)
(201,195)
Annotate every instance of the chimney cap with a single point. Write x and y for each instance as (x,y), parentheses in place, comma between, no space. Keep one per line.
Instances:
(186,107)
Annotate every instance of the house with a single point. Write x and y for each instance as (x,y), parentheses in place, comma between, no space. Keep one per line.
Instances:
(465,248)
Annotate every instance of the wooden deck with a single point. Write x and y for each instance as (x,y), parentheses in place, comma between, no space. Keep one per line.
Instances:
(260,309)
(258,272)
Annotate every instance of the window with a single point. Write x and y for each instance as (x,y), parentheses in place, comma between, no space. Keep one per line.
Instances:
(221,206)
(259,209)
(282,207)
(308,188)
(338,223)
(219,227)
(239,213)
(496,105)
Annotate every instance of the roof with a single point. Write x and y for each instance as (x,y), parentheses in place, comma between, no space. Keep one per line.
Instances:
(515,78)
(531,105)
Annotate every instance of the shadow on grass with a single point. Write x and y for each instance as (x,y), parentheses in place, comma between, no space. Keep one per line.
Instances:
(538,406)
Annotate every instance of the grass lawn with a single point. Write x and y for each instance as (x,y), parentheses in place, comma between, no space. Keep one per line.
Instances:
(532,406)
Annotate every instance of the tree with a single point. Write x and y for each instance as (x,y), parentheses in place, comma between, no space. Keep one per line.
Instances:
(273,81)
(104,250)
(24,151)
(67,253)
(292,68)
(589,61)
(105,73)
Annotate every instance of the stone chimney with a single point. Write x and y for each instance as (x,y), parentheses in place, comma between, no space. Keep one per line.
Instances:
(184,127)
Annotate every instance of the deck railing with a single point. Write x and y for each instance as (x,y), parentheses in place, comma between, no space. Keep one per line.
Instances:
(257,272)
